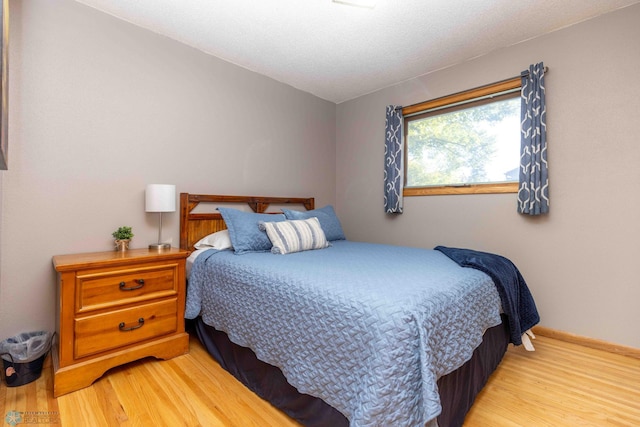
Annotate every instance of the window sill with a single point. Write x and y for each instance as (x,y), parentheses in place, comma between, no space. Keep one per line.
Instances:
(502,187)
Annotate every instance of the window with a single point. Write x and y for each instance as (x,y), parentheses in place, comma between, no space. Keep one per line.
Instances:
(464,143)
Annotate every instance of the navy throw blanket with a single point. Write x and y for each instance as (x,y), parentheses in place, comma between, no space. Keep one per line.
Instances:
(517,301)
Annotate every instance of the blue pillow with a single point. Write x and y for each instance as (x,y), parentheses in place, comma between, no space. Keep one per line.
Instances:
(328,221)
(244,232)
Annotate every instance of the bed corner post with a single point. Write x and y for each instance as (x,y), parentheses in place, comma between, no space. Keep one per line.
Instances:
(184,213)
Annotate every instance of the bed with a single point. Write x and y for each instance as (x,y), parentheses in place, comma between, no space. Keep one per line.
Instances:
(319,335)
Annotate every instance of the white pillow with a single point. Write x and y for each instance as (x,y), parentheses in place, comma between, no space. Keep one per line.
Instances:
(218,240)
(295,235)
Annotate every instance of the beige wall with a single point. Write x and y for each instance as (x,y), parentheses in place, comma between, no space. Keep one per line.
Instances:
(100,108)
(581,260)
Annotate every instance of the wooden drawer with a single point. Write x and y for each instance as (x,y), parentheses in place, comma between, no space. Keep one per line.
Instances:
(102,332)
(93,304)
(112,288)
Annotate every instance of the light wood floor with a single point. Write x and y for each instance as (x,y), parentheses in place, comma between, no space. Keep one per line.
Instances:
(560,384)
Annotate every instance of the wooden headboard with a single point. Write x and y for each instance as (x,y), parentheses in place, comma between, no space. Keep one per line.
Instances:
(194,226)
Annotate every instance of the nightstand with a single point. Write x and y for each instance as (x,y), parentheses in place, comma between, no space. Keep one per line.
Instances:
(114,308)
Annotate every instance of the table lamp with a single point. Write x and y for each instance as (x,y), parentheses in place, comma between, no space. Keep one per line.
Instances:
(160,198)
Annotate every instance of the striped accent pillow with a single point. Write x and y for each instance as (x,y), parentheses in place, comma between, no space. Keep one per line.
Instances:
(295,235)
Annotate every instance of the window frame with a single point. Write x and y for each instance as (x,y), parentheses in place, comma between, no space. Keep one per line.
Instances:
(451,101)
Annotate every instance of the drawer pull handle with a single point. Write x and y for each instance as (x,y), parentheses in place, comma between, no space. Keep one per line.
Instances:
(140,283)
(121,326)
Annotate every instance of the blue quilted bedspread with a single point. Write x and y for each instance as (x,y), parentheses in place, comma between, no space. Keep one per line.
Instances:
(368,328)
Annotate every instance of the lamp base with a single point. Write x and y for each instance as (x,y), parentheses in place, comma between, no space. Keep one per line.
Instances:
(159,246)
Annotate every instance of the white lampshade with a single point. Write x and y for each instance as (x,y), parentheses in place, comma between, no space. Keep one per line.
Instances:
(160,198)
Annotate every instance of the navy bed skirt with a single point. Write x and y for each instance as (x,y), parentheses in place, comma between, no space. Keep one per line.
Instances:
(457,389)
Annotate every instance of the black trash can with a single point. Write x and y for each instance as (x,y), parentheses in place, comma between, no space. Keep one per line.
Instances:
(23,356)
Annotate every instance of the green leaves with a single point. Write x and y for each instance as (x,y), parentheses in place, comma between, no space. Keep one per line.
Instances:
(123,233)
(463,146)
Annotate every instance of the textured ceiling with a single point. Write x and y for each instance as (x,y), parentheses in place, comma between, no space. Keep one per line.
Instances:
(339,52)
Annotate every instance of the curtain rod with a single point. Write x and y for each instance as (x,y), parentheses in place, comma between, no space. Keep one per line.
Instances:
(527,72)
(491,84)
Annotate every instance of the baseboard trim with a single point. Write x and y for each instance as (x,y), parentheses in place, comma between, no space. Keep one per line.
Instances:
(587,342)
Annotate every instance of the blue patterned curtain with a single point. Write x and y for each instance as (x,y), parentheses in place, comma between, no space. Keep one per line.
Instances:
(533,194)
(393,159)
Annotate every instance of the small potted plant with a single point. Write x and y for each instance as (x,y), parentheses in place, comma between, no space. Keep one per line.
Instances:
(123,236)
